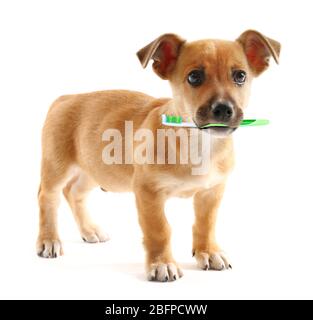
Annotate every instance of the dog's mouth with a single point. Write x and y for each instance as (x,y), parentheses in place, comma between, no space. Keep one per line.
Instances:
(220,131)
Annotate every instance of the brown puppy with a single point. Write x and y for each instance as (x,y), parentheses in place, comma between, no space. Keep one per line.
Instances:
(210,80)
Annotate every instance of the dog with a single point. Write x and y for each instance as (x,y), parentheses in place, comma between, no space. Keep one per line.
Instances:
(210,81)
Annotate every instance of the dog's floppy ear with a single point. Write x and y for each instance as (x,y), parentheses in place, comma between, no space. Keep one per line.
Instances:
(258,50)
(164,51)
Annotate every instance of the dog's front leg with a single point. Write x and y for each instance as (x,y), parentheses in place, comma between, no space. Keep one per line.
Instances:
(205,248)
(156,231)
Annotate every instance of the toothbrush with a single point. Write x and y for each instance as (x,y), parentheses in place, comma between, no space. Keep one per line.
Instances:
(177,121)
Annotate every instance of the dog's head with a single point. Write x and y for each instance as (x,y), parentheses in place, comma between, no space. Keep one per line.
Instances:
(211,79)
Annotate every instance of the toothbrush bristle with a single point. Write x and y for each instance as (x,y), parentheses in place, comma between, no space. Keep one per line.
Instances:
(174,119)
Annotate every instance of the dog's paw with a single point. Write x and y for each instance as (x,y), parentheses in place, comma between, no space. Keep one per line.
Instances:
(164,272)
(49,248)
(93,234)
(214,261)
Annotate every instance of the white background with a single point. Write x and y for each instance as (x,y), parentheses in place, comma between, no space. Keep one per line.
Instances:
(50,48)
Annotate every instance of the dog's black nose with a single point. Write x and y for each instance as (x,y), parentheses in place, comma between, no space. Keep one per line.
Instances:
(222,112)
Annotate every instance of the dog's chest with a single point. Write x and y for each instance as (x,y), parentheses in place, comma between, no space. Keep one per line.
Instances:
(185,181)
(186,186)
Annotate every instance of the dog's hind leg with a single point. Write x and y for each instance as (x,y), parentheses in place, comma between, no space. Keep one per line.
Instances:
(76,192)
(53,179)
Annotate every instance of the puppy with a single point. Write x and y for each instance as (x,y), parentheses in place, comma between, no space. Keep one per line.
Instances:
(210,80)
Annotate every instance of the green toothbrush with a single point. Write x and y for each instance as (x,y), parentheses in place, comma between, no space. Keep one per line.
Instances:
(177,121)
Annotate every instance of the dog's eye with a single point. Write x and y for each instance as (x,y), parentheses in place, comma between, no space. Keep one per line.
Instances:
(196,78)
(239,77)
